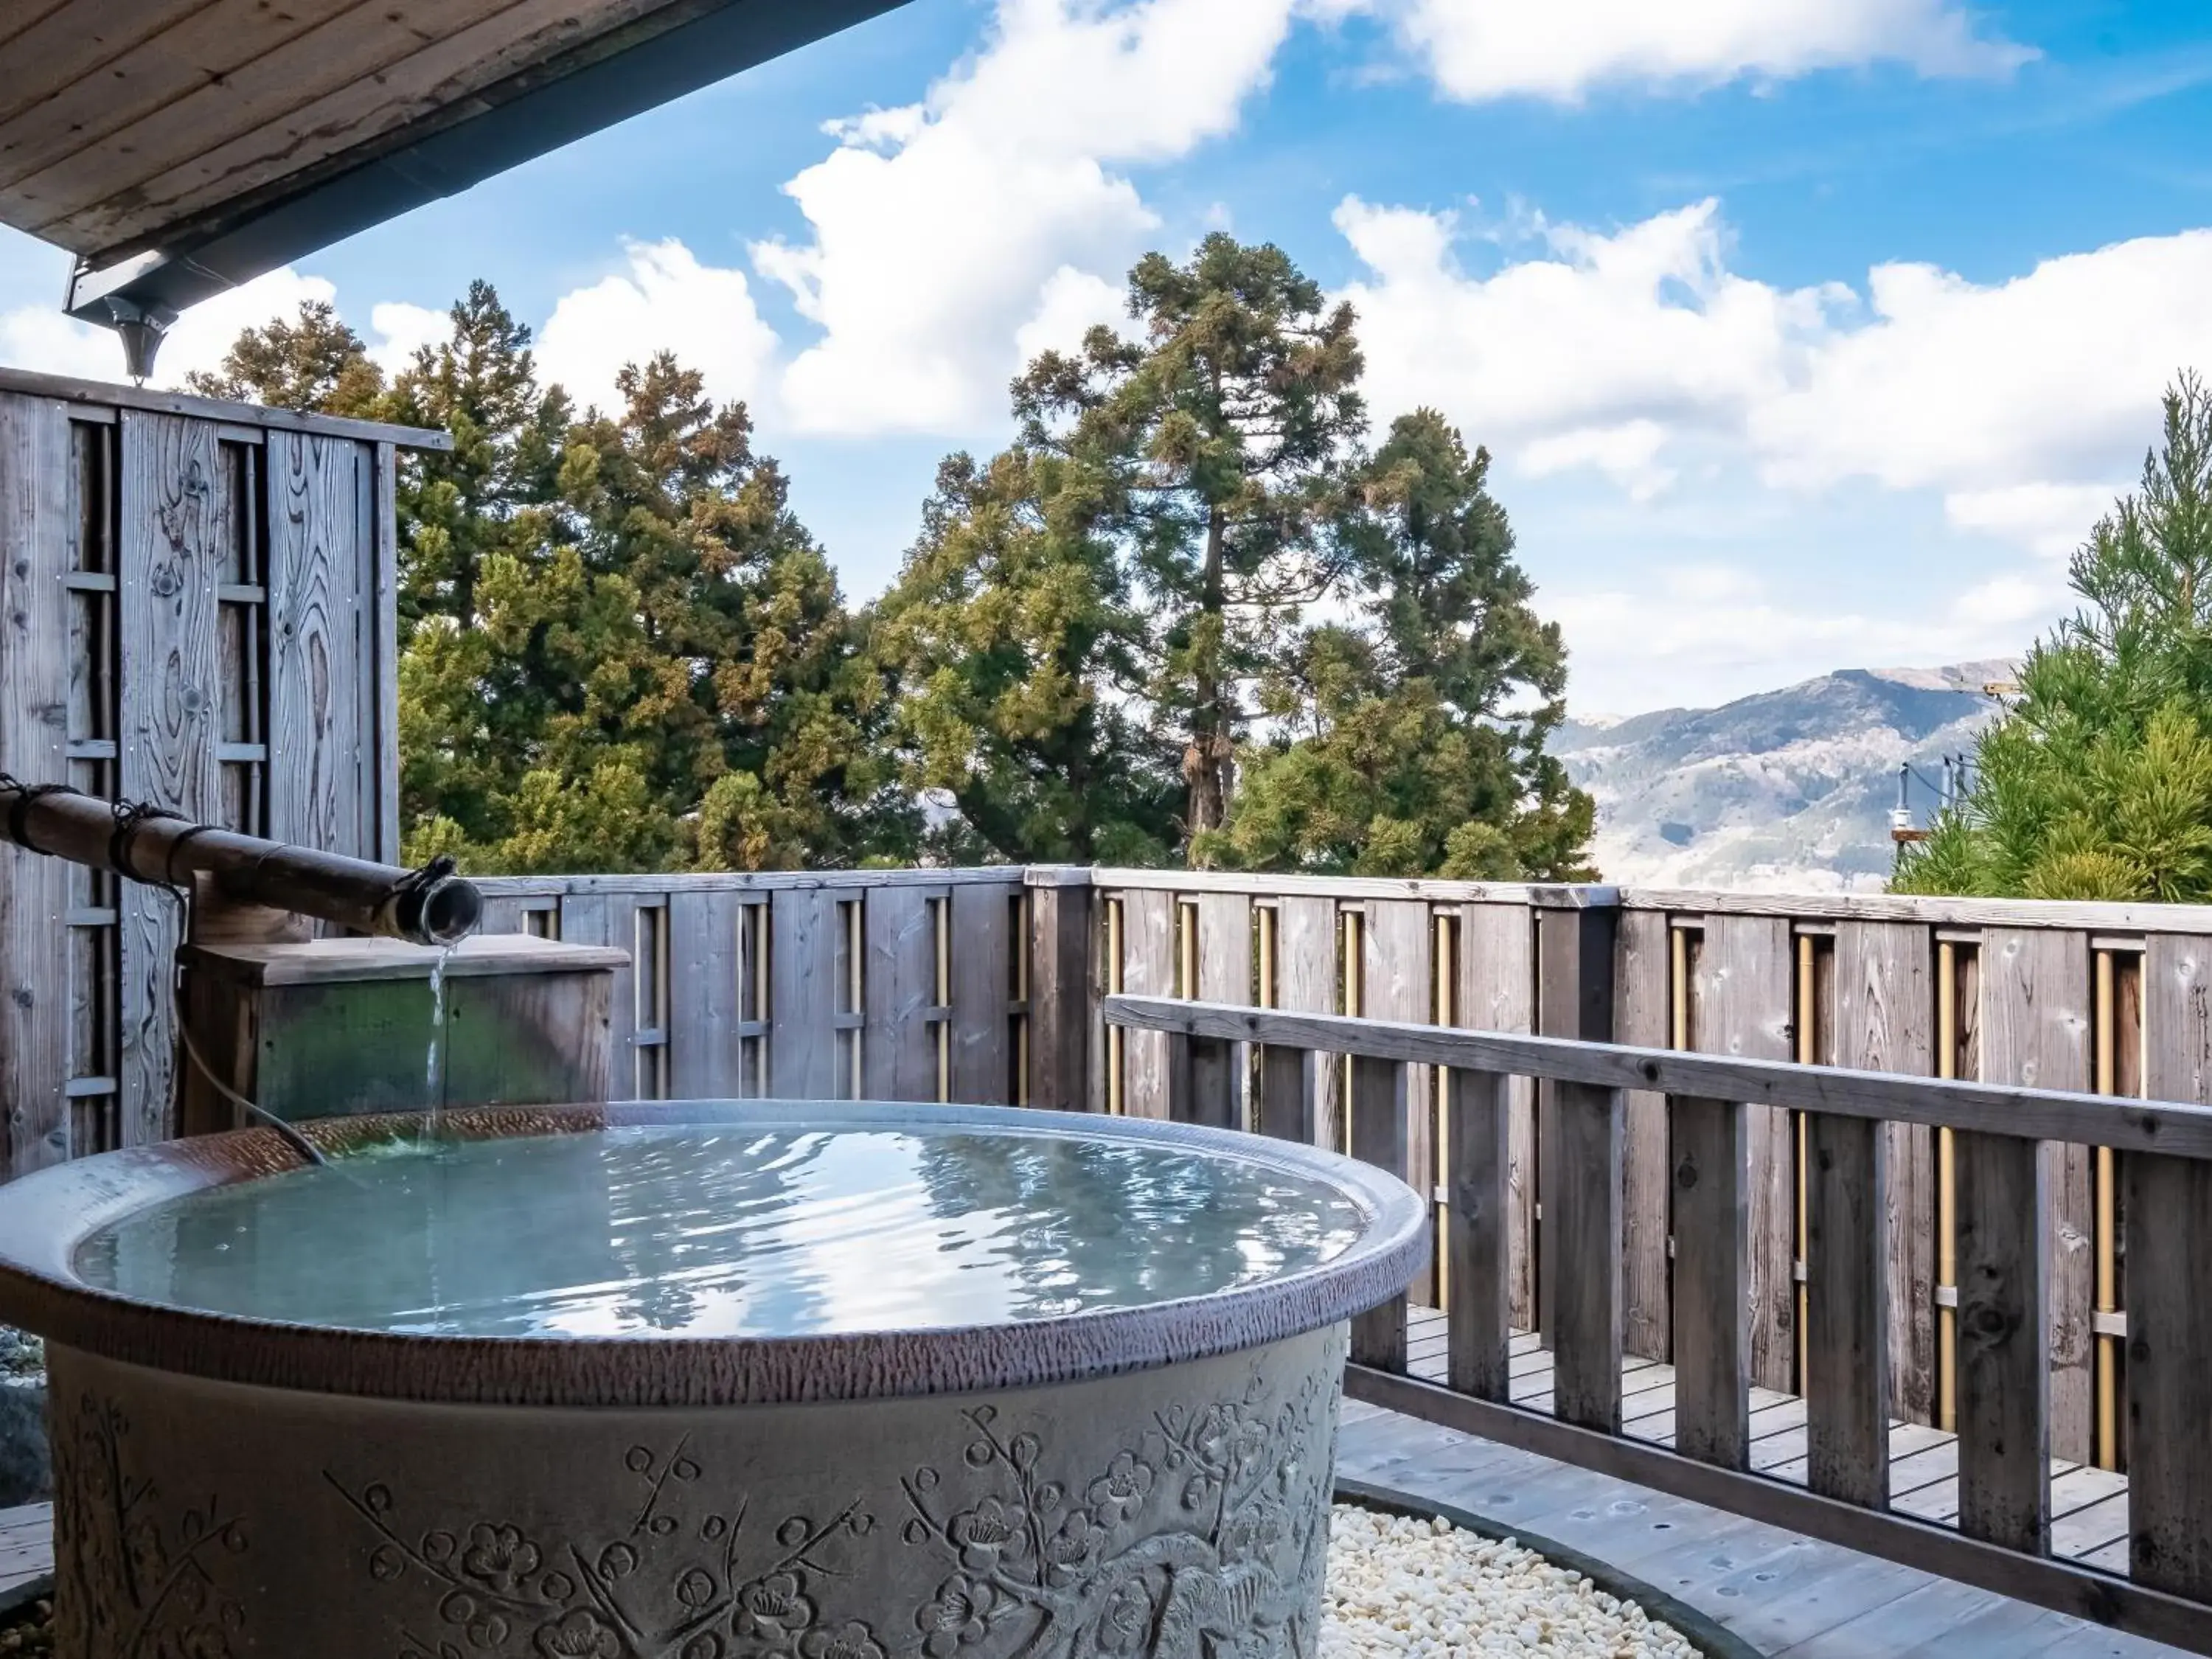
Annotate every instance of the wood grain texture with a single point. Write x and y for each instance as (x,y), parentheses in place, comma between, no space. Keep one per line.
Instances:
(2035,1030)
(1063,1017)
(1885,1021)
(1398,952)
(1224,974)
(1743,1007)
(1382,1109)
(381,715)
(802,977)
(1306,982)
(2003,1384)
(1643,1007)
(318,612)
(1147,969)
(1575,988)
(2168,1229)
(2031,1114)
(1846,1382)
(703,1011)
(983,989)
(1498,992)
(1585,1238)
(1477,1222)
(175,542)
(1712,1281)
(34,690)
(898,1049)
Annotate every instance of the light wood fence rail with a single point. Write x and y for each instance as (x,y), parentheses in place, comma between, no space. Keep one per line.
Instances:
(2010,1149)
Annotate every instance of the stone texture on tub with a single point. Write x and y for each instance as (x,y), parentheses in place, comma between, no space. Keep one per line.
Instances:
(1177,1513)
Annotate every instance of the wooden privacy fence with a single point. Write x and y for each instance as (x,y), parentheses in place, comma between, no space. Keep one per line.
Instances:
(198,611)
(2086,998)
(861,985)
(2008,1148)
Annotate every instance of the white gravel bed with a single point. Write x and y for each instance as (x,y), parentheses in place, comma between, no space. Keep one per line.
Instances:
(1399,1587)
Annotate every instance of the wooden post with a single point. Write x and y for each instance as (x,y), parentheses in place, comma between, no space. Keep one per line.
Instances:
(2004,1385)
(2169,1257)
(1643,1011)
(1477,1218)
(1062,1016)
(1846,1333)
(1381,1108)
(1712,1283)
(1575,944)
(1498,992)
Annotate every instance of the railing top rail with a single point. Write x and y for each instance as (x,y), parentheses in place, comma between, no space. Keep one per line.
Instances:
(1004,875)
(2127,1125)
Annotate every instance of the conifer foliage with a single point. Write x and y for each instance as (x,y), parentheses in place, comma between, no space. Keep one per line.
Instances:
(1185,614)
(2097,783)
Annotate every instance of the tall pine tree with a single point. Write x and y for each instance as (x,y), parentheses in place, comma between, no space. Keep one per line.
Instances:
(2097,783)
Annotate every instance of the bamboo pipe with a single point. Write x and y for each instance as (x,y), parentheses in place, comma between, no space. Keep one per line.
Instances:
(430,906)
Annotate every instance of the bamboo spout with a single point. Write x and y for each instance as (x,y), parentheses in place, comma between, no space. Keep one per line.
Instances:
(430,906)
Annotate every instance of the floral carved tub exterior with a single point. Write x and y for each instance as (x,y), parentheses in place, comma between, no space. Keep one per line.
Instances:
(997,1384)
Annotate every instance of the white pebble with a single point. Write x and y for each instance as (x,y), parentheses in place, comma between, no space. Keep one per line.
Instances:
(1401,1589)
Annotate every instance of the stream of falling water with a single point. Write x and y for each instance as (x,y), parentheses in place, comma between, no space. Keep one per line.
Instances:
(434,1076)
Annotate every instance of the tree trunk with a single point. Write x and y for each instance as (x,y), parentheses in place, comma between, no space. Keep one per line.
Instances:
(1207,762)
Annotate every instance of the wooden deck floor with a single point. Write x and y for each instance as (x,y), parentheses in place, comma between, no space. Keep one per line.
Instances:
(26,1552)
(2088,1506)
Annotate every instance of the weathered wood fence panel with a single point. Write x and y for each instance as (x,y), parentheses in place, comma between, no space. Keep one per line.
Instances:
(199,610)
(1743,1006)
(1644,1015)
(1498,992)
(2035,1031)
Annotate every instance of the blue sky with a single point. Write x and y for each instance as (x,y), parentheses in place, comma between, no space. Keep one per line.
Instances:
(1808,333)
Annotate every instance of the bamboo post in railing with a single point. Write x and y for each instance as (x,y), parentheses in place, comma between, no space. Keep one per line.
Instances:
(1478,1284)
(1382,1107)
(1713,1282)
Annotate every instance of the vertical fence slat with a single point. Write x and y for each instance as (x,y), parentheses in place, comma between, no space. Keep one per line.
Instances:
(1147,970)
(1397,956)
(1305,983)
(1063,1040)
(802,989)
(1642,1013)
(899,1048)
(702,994)
(1586,1239)
(1574,986)
(318,795)
(1847,1332)
(981,980)
(2004,1395)
(34,890)
(1224,974)
(1477,1219)
(175,548)
(2035,1031)
(1382,1109)
(1884,1002)
(1713,1282)
(2168,1213)
(1744,1008)
(1498,992)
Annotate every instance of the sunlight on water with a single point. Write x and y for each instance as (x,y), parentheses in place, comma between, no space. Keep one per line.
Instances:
(725,1232)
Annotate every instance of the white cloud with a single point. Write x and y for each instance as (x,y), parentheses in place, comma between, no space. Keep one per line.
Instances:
(398,330)
(1562,49)
(42,337)
(942,233)
(2020,402)
(663,299)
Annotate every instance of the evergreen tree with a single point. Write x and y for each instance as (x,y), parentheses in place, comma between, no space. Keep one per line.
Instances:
(2097,783)
(1211,454)
(317,365)
(1012,631)
(1415,744)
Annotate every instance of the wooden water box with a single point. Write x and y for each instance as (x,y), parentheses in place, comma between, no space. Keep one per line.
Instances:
(340,1027)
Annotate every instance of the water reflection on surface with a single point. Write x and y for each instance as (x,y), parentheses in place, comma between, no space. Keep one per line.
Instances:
(729,1232)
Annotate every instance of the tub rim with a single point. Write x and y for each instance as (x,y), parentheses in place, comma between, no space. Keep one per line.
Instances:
(46,1217)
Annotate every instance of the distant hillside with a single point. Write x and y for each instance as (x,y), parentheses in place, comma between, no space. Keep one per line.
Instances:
(1788,789)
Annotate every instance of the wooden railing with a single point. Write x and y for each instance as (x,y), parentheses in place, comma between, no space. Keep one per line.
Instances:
(2007,1144)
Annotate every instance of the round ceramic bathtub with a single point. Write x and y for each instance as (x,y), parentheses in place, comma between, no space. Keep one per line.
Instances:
(905,1381)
